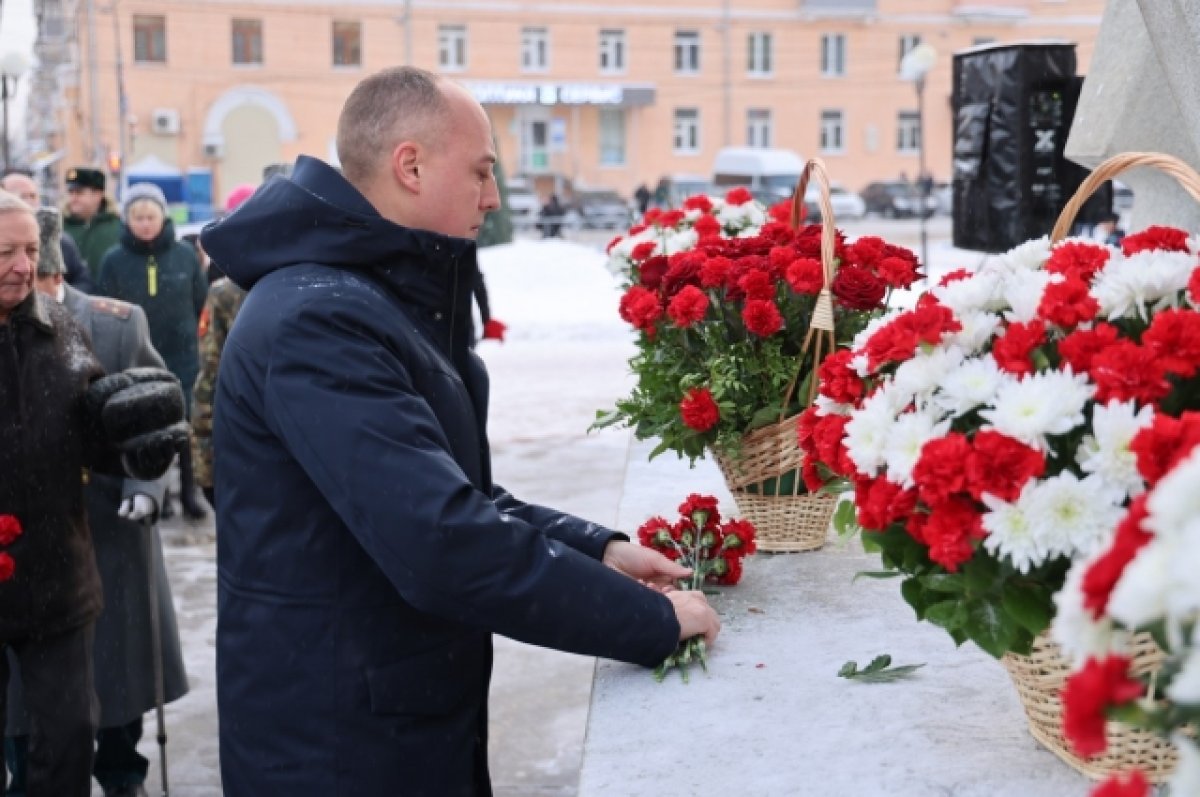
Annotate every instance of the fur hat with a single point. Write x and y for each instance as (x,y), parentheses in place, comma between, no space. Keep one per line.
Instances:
(140,191)
(50,260)
(85,177)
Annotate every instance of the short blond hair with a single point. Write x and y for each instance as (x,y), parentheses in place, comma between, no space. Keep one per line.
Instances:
(11,203)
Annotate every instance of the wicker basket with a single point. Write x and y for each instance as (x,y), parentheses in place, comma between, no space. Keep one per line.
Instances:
(1039,677)
(764,475)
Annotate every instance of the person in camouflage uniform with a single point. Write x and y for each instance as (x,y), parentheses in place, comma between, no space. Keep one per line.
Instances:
(220,308)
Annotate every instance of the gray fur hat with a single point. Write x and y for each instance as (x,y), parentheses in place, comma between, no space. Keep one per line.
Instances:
(50,260)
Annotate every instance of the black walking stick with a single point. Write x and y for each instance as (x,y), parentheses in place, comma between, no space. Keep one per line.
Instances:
(156,640)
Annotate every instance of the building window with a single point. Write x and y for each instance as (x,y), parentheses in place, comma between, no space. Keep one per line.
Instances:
(149,39)
(758,53)
(612,51)
(832,133)
(535,50)
(452,47)
(687,131)
(687,51)
(907,42)
(247,41)
(612,137)
(833,54)
(758,127)
(347,43)
(978,40)
(908,132)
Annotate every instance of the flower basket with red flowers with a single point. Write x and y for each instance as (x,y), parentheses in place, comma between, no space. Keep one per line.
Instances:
(711,548)
(988,437)
(735,307)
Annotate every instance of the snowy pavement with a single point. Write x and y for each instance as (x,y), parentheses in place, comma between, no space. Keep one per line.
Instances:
(565,358)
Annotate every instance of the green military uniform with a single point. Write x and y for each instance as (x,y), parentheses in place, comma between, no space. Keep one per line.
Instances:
(95,236)
(220,308)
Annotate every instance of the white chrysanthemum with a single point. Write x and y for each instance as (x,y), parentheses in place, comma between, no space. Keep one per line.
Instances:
(971,385)
(692,215)
(1183,596)
(910,432)
(1074,629)
(1030,255)
(1185,687)
(741,217)
(1011,533)
(1040,404)
(620,257)
(827,406)
(1127,285)
(861,365)
(978,329)
(1024,293)
(1140,594)
(867,431)
(918,377)
(681,241)
(1105,452)
(978,292)
(1175,502)
(1070,516)
(1186,779)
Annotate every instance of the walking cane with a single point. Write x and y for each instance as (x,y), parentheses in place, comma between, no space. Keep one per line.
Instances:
(156,640)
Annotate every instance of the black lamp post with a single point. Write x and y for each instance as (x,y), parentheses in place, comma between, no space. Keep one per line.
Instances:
(915,65)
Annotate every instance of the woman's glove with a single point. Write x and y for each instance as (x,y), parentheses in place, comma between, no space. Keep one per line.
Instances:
(140,411)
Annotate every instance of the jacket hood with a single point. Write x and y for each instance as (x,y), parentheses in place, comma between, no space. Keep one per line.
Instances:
(317,216)
(161,242)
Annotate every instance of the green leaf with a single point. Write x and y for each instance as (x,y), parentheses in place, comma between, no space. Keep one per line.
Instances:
(878,663)
(989,627)
(877,574)
(889,675)
(1029,604)
(764,417)
(944,582)
(950,614)
(664,445)
(845,519)
(848,669)
(914,594)
(981,572)
(606,419)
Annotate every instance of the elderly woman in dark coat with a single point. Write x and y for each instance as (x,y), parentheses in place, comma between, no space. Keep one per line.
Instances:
(161,275)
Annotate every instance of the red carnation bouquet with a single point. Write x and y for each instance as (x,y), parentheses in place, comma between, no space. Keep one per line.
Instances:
(712,549)
(722,293)
(10,530)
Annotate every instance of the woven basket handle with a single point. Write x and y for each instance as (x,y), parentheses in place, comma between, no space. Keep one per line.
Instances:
(1184,174)
(821,326)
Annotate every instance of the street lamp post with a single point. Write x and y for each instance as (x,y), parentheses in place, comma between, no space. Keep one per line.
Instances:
(914,67)
(12,65)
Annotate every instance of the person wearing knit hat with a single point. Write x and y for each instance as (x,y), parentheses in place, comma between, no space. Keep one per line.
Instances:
(143,192)
(237,196)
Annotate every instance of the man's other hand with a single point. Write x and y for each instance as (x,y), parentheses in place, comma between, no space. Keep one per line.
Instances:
(695,616)
(643,564)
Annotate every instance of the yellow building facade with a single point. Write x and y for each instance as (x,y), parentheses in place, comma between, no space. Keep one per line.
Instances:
(594,94)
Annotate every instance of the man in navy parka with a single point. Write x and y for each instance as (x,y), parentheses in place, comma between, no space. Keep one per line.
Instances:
(365,556)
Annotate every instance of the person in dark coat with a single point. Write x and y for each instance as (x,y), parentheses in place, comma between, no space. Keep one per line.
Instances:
(162,276)
(77,274)
(90,218)
(58,418)
(121,515)
(364,553)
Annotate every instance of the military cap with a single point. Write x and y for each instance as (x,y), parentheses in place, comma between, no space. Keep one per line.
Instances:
(85,177)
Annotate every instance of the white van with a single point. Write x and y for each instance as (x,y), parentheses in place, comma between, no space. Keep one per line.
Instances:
(770,174)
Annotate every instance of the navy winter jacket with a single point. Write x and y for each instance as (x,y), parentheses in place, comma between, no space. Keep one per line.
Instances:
(364,554)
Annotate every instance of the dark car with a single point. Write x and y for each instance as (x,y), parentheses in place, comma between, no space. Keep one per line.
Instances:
(599,209)
(896,199)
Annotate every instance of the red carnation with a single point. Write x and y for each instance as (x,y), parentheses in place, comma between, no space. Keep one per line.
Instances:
(1079,348)
(738,538)
(1126,371)
(700,503)
(781,212)
(954,276)
(715,272)
(10,529)
(637,228)
(757,285)
(608,249)
(1193,287)
(698,409)
(654,533)
(729,570)
(684,269)
(1077,259)
(939,471)
(1163,443)
(698,202)
(881,502)
(1013,351)
(739,196)
(1101,577)
(762,317)
(652,216)
(688,306)
(949,530)
(1129,784)
(1086,697)
(1166,239)
(858,288)
(7,567)
(805,276)
(838,380)
(643,250)
(1068,303)
(898,272)
(652,271)
(670,218)
(641,308)
(1174,337)
(706,226)
(828,435)
(1001,466)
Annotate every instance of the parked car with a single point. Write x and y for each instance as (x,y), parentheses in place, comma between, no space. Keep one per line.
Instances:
(599,209)
(523,203)
(896,199)
(682,186)
(846,205)
(770,174)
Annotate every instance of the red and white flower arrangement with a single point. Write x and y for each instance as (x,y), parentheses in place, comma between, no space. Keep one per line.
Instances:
(10,530)
(986,431)
(711,547)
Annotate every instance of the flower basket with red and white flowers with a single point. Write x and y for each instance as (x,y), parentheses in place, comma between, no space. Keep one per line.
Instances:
(723,294)
(987,430)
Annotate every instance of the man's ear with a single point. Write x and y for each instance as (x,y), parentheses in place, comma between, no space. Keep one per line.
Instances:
(406,165)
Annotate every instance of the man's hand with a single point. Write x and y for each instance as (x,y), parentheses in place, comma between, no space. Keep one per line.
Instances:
(643,564)
(138,507)
(695,616)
